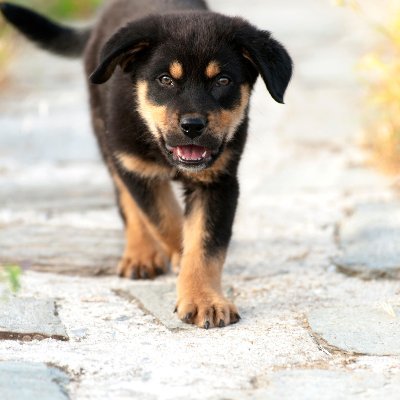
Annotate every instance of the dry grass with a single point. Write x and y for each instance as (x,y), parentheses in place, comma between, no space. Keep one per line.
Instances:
(5,51)
(380,74)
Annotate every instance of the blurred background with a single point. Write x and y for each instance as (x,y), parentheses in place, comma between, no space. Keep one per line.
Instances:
(377,67)
(315,251)
(59,9)
(337,135)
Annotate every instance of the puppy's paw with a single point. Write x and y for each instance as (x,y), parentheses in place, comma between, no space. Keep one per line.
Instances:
(207,310)
(140,265)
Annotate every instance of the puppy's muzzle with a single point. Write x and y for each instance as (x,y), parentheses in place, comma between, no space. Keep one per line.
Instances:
(193,126)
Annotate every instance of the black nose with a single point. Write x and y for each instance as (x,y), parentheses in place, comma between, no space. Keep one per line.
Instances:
(193,126)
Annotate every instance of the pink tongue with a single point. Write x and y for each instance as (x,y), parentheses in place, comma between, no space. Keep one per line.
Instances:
(191,152)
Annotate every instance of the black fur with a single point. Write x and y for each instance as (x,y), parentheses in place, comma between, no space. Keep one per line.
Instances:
(131,49)
(270,57)
(220,201)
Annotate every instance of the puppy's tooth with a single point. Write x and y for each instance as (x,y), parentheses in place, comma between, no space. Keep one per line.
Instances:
(204,154)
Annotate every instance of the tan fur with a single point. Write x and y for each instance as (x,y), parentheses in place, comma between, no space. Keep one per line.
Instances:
(143,167)
(142,254)
(147,245)
(176,70)
(227,121)
(200,297)
(223,123)
(169,232)
(210,174)
(194,232)
(212,70)
(156,117)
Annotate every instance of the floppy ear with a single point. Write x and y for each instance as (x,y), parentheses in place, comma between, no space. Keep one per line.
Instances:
(269,57)
(125,47)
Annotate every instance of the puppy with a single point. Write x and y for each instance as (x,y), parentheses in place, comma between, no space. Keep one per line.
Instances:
(169,85)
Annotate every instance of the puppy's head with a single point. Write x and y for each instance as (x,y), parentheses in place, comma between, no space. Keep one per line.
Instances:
(193,74)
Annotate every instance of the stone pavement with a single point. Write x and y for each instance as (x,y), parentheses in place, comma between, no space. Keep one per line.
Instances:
(27,381)
(313,266)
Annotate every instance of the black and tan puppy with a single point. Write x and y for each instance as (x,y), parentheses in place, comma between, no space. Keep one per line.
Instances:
(170,84)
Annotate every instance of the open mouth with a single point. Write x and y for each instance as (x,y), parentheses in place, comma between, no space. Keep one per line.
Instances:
(190,154)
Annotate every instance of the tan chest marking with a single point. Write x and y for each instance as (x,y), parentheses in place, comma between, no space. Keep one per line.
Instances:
(142,167)
(210,174)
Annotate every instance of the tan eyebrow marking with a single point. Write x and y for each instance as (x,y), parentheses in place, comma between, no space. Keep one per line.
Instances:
(176,70)
(213,69)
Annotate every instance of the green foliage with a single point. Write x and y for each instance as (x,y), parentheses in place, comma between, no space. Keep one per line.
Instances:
(63,9)
(11,274)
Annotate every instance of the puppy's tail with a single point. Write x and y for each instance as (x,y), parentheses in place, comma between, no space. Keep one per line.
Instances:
(46,34)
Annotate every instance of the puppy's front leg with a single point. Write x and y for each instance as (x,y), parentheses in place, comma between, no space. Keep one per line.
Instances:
(209,215)
(153,225)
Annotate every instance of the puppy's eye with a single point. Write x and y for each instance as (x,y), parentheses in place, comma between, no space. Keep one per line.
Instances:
(166,80)
(223,81)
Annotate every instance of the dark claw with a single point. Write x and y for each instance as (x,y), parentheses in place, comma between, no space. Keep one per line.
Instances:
(237,318)
(159,271)
(221,323)
(145,275)
(175,309)
(207,325)
(135,274)
(188,316)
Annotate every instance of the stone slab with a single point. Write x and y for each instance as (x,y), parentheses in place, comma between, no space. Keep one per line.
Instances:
(28,381)
(57,249)
(30,319)
(305,176)
(61,136)
(358,329)
(45,114)
(158,299)
(56,198)
(319,384)
(370,242)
